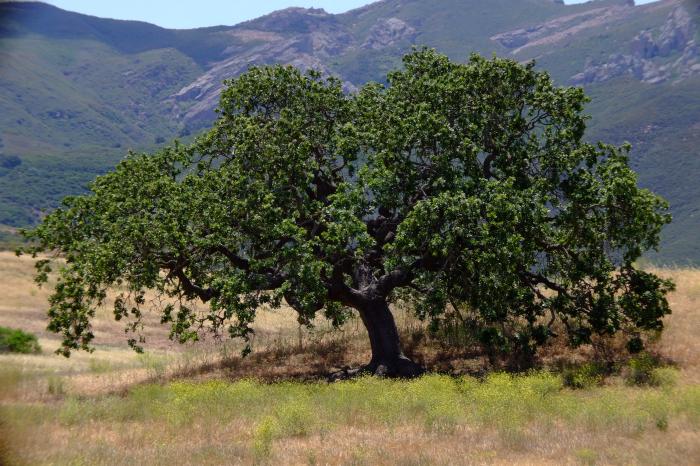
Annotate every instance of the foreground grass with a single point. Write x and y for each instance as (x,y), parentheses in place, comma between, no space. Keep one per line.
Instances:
(431,420)
(205,405)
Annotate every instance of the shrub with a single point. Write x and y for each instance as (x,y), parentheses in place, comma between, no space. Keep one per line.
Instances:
(17,341)
(644,370)
(665,376)
(584,376)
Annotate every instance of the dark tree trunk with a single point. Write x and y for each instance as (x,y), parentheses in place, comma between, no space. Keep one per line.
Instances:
(387,358)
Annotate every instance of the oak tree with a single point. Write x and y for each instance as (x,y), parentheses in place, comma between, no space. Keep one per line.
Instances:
(453,186)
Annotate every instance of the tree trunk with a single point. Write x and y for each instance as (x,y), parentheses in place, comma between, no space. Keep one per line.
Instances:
(387,358)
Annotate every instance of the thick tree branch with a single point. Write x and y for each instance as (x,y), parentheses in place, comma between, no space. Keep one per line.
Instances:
(234,259)
(192,290)
(540,279)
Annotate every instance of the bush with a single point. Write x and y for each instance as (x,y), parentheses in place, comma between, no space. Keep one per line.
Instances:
(17,341)
(643,370)
(295,419)
(584,376)
(664,377)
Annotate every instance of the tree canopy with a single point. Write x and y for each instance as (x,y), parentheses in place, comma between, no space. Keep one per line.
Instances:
(453,186)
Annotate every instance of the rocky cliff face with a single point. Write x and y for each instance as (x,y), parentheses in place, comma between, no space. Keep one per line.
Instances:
(305,38)
(669,52)
(562,28)
(313,38)
(388,32)
(295,36)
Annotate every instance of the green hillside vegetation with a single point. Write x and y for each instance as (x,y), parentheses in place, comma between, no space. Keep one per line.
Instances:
(77,92)
(664,129)
(69,118)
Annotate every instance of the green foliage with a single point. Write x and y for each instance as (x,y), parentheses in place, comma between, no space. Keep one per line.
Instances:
(646,369)
(583,376)
(454,183)
(263,436)
(294,418)
(664,376)
(18,341)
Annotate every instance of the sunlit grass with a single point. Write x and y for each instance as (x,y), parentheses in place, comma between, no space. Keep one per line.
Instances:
(515,410)
(202,404)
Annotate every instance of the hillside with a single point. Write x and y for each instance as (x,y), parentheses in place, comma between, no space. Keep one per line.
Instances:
(76,91)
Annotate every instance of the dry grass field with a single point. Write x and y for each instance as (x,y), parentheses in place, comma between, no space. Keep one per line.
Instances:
(203,404)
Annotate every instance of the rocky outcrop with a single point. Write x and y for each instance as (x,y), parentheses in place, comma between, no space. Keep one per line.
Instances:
(619,65)
(304,38)
(676,32)
(652,53)
(388,32)
(313,38)
(562,28)
(205,91)
(673,36)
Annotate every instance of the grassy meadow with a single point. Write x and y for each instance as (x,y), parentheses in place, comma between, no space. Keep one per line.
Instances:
(203,404)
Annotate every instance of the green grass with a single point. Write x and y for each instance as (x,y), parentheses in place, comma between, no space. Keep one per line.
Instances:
(504,402)
(256,422)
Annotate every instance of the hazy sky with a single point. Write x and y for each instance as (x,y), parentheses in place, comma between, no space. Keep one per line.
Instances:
(181,14)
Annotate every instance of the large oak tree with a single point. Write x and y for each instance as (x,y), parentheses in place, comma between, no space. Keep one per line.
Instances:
(466,185)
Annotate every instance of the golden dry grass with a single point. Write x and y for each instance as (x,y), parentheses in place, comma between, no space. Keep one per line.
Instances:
(433,420)
(116,407)
(681,339)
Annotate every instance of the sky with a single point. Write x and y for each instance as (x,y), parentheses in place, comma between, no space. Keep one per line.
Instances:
(200,13)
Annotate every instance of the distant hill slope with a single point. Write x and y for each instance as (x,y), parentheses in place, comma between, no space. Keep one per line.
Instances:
(76,91)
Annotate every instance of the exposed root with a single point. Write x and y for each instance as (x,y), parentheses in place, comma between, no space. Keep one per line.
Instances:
(402,368)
